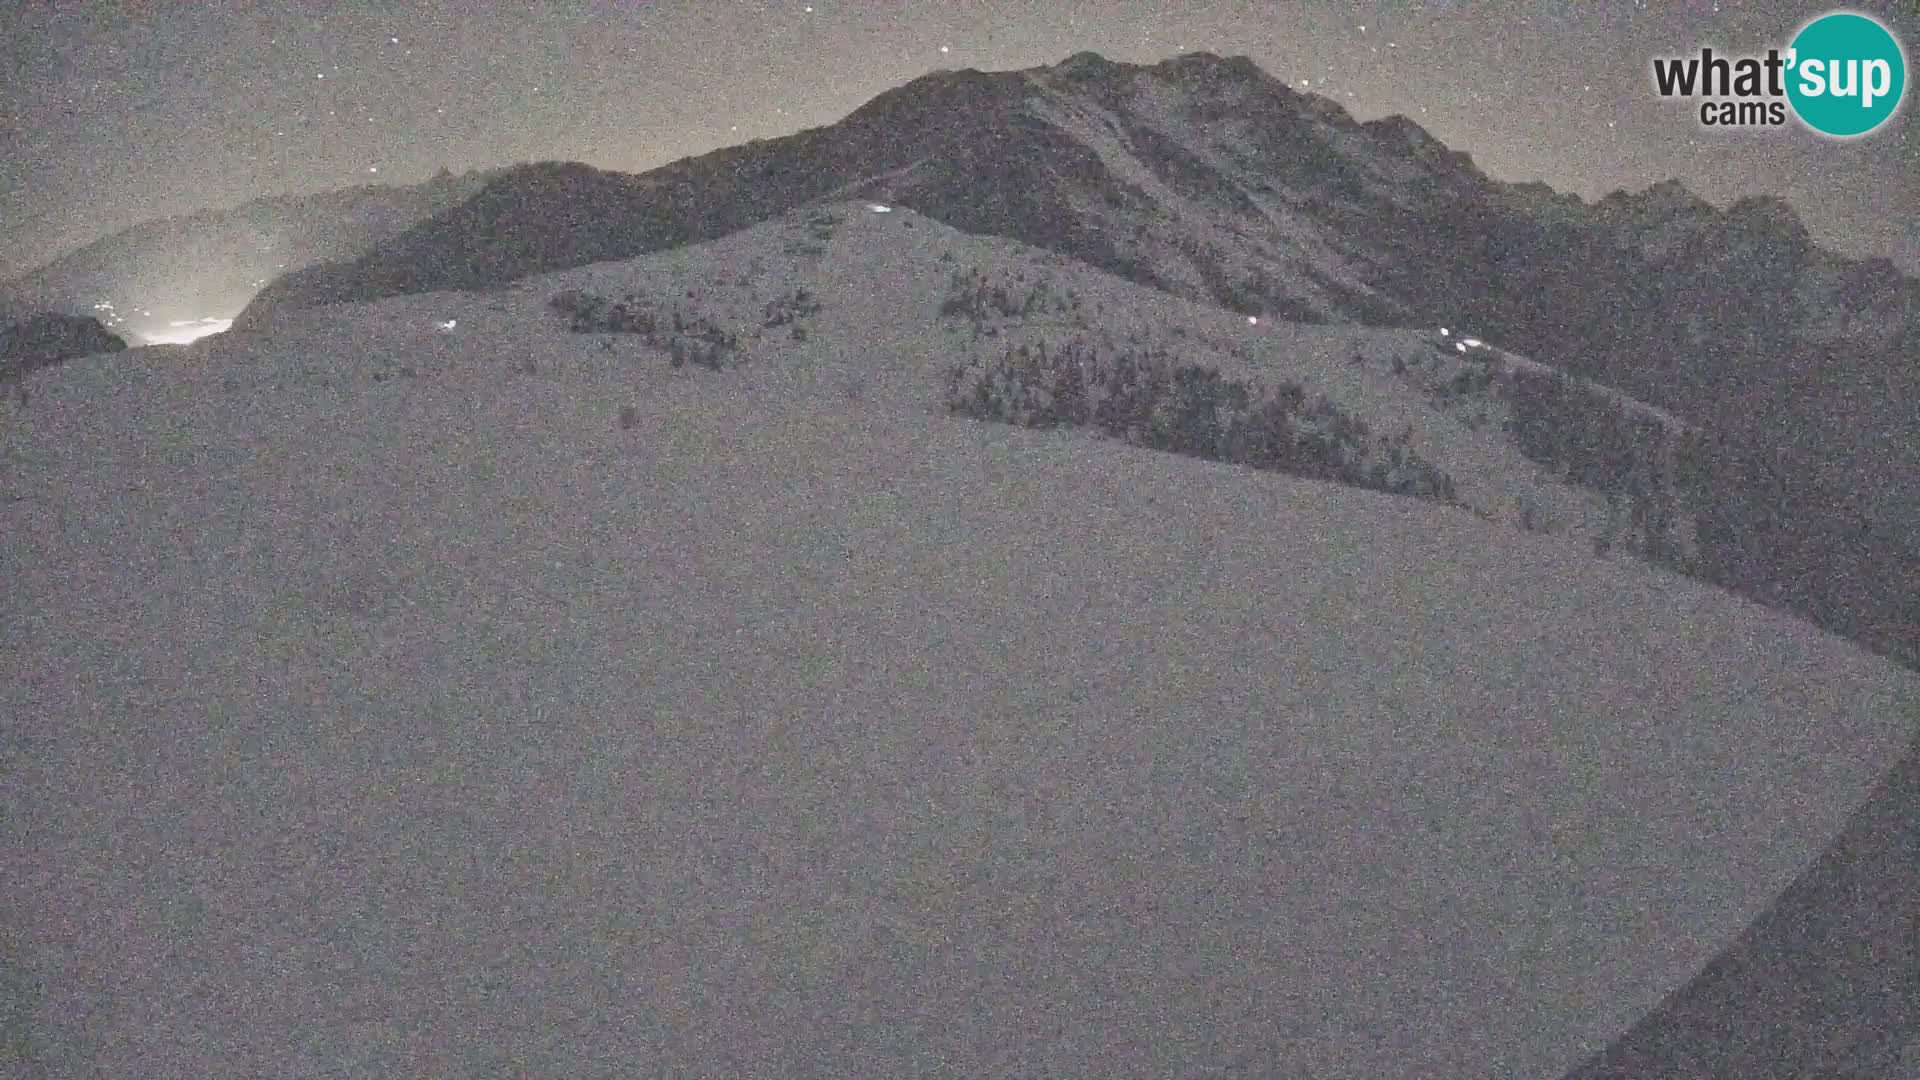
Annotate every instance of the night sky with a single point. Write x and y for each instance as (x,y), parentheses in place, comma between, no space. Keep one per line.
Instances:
(111,114)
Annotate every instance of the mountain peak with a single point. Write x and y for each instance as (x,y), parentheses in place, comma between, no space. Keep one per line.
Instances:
(1210,67)
(1088,70)
(1672,193)
(1401,130)
(1086,60)
(1664,198)
(1767,211)
(1198,66)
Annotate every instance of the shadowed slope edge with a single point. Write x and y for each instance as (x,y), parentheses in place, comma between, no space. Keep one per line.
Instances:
(1825,983)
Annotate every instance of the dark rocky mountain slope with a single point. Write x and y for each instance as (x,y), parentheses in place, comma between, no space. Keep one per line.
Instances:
(50,338)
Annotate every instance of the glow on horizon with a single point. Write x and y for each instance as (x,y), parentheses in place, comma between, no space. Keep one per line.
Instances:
(186,331)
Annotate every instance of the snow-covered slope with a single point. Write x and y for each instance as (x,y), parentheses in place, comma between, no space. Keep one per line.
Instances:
(879,281)
(1211,179)
(840,299)
(1822,984)
(383,701)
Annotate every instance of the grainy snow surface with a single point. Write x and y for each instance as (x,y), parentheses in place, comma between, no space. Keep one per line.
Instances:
(437,725)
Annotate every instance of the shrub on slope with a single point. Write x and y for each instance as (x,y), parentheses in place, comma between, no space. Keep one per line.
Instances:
(685,337)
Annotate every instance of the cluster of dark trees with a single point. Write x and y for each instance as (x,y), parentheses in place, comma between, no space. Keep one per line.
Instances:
(1763,524)
(1598,441)
(1772,528)
(1145,397)
(975,296)
(687,339)
(790,307)
(1767,525)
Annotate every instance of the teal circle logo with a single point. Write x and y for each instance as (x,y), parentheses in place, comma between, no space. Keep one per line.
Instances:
(1846,74)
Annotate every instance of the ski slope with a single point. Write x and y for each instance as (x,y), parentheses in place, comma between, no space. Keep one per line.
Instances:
(436,724)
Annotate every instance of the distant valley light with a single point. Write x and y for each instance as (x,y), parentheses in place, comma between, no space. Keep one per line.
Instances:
(183,331)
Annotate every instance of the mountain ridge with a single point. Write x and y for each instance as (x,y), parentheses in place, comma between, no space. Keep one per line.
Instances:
(211,263)
(1529,444)
(1208,178)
